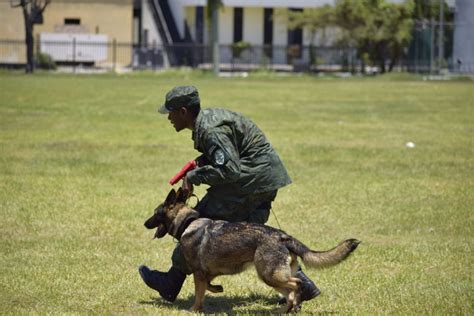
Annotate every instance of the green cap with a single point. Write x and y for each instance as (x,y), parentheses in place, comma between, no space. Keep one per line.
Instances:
(178,97)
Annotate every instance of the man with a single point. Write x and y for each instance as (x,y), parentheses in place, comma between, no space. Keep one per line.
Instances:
(238,163)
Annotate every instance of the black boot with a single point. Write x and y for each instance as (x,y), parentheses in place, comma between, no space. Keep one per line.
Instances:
(309,290)
(168,284)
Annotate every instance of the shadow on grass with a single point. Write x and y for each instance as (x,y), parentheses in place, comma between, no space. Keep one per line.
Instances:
(223,304)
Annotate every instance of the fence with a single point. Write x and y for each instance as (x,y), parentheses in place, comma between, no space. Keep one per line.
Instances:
(113,55)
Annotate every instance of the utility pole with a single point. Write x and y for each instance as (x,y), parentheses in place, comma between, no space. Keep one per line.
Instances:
(441,34)
(432,44)
(215,39)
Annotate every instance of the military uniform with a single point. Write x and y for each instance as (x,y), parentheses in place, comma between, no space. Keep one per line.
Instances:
(238,163)
(241,167)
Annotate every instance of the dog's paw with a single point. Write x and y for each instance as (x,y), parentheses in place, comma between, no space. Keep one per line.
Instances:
(284,309)
(195,308)
(297,308)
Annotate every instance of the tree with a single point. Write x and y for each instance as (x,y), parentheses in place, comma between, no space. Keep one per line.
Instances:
(427,9)
(314,20)
(399,25)
(32,13)
(436,14)
(377,29)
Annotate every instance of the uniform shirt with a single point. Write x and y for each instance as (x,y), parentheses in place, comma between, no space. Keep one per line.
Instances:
(240,160)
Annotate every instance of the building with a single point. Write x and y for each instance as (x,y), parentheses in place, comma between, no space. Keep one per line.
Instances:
(92,25)
(250,21)
(463,51)
(162,33)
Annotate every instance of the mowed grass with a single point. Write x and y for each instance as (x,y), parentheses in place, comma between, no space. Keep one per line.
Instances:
(85,159)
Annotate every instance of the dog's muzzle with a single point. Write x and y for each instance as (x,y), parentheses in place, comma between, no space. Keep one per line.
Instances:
(160,231)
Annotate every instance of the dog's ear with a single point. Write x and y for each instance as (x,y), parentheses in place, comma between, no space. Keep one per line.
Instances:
(183,195)
(180,195)
(171,198)
(189,192)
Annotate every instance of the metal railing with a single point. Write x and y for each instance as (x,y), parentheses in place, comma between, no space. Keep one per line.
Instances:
(115,54)
(112,55)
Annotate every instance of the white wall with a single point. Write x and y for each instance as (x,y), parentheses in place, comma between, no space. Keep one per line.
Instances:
(177,8)
(253,26)
(149,23)
(253,18)
(278,3)
(280,31)
(265,3)
(190,13)
(226,25)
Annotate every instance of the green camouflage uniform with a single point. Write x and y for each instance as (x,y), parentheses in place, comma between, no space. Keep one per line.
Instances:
(238,163)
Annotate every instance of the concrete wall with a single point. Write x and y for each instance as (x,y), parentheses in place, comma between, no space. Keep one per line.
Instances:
(11,22)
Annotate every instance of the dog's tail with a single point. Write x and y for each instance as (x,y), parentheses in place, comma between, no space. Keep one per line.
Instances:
(322,259)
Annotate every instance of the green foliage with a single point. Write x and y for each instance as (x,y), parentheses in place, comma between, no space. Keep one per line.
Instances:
(45,61)
(293,51)
(85,159)
(239,47)
(314,19)
(426,10)
(211,6)
(376,27)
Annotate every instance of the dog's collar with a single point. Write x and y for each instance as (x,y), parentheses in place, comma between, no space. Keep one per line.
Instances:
(177,232)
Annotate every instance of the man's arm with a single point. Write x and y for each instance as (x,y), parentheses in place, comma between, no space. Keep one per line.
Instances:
(221,152)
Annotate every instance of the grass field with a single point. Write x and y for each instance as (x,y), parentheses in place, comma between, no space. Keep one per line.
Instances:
(85,159)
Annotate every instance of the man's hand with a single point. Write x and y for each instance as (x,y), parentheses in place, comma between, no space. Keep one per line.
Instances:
(182,173)
(187,186)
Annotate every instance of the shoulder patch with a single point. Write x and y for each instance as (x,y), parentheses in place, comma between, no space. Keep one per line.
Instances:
(219,157)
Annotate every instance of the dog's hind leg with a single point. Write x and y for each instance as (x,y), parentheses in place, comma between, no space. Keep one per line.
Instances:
(297,293)
(200,285)
(290,291)
(276,266)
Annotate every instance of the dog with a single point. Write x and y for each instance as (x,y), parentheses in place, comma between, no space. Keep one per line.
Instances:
(215,247)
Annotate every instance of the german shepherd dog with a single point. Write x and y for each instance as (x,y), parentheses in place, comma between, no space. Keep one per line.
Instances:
(215,247)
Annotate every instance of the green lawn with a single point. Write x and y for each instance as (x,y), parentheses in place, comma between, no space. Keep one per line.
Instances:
(85,159)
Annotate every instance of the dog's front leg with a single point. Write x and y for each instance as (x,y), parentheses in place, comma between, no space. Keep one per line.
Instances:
(200,285)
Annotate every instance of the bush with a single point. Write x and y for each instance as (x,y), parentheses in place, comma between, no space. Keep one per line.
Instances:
(45,61)
(239,47)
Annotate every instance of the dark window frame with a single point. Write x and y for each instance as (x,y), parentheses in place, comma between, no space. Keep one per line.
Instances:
(238,24)
(268,26)
(268,32)
(72,21)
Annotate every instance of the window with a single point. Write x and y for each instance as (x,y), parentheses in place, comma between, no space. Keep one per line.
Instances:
(295,41)
(295,37)
(268,32)
(268,26)
(238,24)
(72,21)
(200,24)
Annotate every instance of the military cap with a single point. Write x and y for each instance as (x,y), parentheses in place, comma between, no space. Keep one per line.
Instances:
(178,97)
